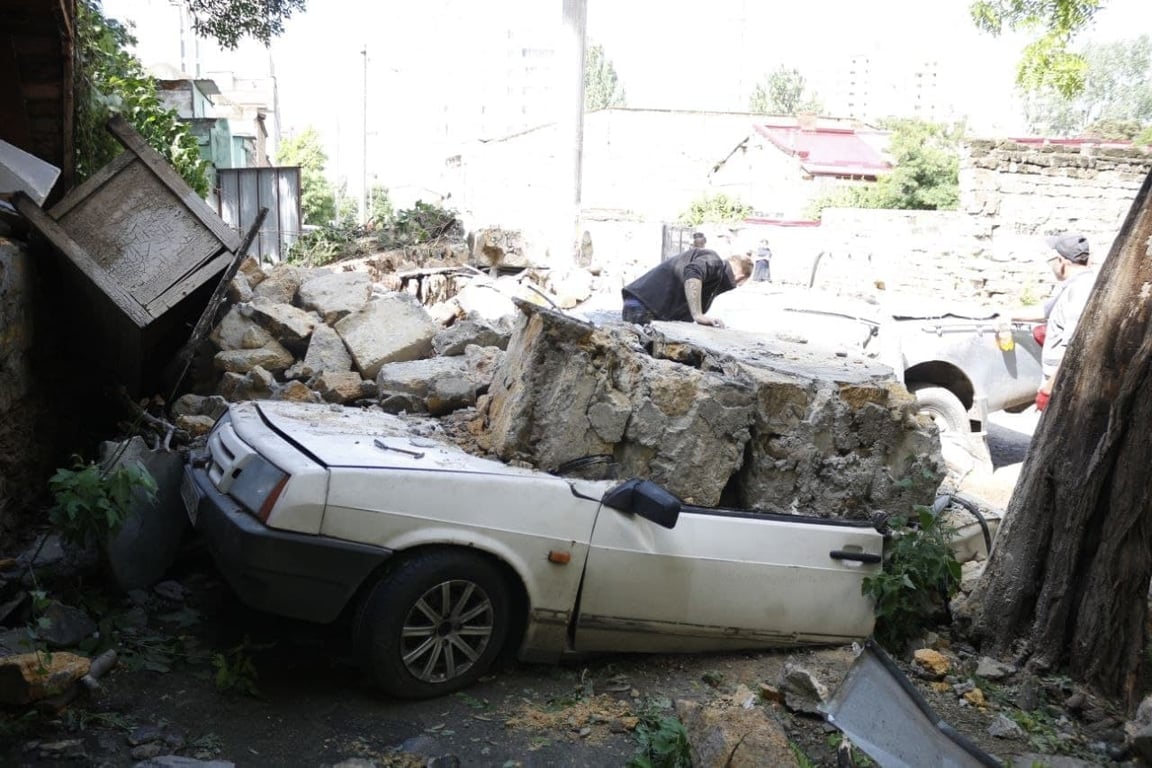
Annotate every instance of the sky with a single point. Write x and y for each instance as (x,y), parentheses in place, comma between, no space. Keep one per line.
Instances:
(692,54)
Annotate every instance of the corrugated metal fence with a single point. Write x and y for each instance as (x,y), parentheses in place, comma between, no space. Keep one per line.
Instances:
(244,191)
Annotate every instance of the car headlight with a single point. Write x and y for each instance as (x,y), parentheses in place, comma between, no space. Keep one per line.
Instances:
(257,484)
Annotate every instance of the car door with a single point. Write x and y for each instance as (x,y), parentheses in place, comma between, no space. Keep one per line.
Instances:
(724,580)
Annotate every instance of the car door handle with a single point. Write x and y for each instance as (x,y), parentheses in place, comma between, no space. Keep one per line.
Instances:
(859,557)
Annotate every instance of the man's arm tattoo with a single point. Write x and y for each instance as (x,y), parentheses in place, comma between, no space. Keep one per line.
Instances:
(692,290)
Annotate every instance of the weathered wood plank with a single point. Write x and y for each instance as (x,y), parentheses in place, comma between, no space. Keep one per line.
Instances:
(133,142)
(55,234)
(93,183)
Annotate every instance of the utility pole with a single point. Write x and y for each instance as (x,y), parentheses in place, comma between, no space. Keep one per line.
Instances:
(364,159)
(570,121)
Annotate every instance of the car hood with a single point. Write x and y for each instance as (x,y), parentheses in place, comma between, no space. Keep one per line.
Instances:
(337,436)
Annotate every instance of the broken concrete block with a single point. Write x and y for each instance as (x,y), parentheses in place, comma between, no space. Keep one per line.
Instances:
(686,405)
(335,296)
(450,393)
(286,323)
(211,406)
(255,385)
(252,271)
(483,300)
(570,286)
(388,329)
(64,626)
(235,331)
(30,677)
(502,247)
(474,330)
(685,428)
(726,735)
(282,283)
(239,290)
(297,392)
(326,354)
(271,357)
(444,312)
(195,424)
(416,377)
(343,386)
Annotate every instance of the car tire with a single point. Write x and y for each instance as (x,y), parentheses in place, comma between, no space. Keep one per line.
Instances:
(944,408)
(433,624)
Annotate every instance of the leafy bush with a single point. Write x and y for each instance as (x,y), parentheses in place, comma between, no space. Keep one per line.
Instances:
(112,81)
(662,742)
(91,503)
(422,223)
(326,245)
(717,208)
(920,574)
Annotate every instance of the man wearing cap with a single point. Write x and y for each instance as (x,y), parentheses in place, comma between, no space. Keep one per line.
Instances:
(682,288)
(1070,264)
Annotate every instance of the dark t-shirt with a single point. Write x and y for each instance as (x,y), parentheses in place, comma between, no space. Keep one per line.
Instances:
(661,289)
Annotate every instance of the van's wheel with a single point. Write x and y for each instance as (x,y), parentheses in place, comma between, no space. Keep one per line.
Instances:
(944,408)
(433,624)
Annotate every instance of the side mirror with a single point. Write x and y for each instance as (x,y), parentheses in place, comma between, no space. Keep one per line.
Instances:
(645,499)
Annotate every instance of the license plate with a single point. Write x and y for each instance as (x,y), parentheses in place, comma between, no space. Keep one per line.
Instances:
(191,496)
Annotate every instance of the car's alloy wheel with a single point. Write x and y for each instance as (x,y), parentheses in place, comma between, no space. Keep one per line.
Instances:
(447,631)
(433,623)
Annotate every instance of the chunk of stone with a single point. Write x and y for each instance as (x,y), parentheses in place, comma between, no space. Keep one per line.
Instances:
(416,377)
(391,328)
(481,299)
(472,331)
(726,736)
(1004,727)
(281,284)
(239,289)
(802,691)
(570,286)
(29,677)
(255,385)
(503,247)
(336,295)
(449,394)
(252,270)
(271,357)
(179,761)
(235,331)
(286,323)
(344,387)
(296,392)
(685,406)
(932,661)
(65,626)
(212,406)
(326,354)
(991,669)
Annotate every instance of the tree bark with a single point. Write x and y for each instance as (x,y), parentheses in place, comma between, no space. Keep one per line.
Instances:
(1066,585)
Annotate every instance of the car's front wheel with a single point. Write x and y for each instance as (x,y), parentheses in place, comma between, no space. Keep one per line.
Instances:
(433,624)
(944,408)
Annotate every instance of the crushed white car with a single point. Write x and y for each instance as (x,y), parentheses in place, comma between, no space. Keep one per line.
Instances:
(442,560)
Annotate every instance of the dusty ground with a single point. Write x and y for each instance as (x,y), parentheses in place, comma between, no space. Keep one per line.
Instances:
(311,708)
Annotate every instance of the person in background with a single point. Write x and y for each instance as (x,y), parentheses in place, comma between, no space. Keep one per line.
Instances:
(698,240)
(683,287)
(1071,265)
(762,272)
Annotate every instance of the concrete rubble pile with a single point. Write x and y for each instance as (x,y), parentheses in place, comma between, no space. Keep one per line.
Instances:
(717,416)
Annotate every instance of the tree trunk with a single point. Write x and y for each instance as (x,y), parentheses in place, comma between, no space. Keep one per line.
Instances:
(1066,585)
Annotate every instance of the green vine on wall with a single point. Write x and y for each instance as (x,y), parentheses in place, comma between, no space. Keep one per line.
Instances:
(111,81)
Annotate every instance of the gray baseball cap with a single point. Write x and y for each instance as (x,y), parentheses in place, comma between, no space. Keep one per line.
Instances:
(1072,246)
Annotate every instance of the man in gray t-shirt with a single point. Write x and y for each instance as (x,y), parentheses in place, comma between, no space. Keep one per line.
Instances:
(1070,264)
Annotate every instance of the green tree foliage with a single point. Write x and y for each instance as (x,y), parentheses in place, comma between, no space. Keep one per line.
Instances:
(229,21)
(112,81)
(380,211)
(1117,90)
(925,174)
(317,200)
(783,92)
(1047,62)
(718,208)
(602,89)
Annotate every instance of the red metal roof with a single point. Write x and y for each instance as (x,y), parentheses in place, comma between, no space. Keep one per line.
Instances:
(827,151)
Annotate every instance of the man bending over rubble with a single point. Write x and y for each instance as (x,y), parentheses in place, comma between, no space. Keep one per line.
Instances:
(683,287)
